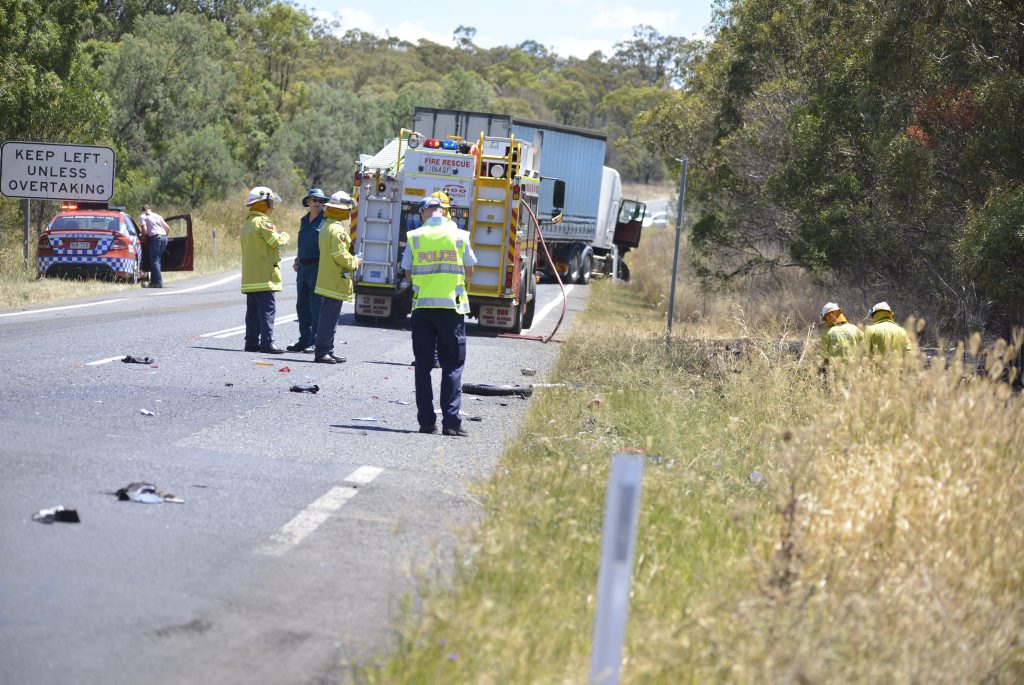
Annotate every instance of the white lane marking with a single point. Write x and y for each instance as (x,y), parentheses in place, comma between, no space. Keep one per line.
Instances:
(70,306)
(364,474)
(309,519)
(226,279)
(239,330)
(98,362)
(539,316)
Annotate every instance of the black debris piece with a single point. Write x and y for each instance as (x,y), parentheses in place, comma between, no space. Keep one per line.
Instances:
(306,387)
(56,514)
(146,493)
(129,359)
(496,390)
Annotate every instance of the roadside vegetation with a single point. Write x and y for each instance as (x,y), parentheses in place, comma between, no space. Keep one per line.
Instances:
(793,528)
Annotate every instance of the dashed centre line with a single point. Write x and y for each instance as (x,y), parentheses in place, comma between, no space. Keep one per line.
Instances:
(309,519)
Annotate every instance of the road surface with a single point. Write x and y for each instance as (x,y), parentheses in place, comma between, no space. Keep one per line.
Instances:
(303,517)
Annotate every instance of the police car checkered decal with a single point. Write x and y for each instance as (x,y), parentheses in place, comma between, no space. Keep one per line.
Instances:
(63,255)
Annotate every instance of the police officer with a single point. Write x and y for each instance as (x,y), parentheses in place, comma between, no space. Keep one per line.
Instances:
(334,276)
(885,335)
(306,265)
(261,271)
(438,257)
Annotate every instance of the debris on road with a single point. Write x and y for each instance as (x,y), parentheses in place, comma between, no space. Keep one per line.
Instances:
(146,493)
(365,418)
(263,363)
(146,412)
(284,369)
(529,372)
(402,402)
(129,359)
(56,514)
(496,390)
(306,387)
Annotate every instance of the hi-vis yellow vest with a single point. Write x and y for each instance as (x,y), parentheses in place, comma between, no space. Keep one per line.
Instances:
(438,274)
(261,254)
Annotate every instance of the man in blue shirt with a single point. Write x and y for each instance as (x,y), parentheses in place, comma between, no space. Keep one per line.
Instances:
(306,264)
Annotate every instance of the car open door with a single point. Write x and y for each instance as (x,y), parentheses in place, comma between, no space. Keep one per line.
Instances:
(179,253)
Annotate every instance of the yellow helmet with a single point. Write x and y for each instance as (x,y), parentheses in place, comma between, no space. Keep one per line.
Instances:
(443,197)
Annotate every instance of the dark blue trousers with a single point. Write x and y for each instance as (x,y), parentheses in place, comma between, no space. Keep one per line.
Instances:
(330,310)
(259,319)
(155,246)
(443,330)
(307,304)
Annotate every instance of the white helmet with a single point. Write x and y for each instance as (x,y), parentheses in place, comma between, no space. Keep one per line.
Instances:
(260,193)
(341,200)
(829,307)
(881,307)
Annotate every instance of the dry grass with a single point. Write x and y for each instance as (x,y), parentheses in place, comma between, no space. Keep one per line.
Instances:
(878,541)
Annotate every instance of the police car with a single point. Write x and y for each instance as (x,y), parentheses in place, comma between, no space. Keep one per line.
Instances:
(100,241)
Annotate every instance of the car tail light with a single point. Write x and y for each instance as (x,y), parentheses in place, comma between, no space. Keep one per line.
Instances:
(118,244)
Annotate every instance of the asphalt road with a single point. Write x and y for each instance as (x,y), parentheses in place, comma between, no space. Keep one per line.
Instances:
(304,515)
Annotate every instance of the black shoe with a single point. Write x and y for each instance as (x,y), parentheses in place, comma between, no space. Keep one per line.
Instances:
(299,348)
(460,431)
(432,428)
(252,348)
(271,349)
(330,359)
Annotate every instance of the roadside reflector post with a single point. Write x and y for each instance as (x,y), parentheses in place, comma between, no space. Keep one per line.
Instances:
(618,539)
(615,263)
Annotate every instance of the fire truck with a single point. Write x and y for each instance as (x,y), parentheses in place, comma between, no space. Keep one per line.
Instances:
(493,185)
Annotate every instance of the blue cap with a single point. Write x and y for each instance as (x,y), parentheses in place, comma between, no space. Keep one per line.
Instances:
(314,192)
(429,203)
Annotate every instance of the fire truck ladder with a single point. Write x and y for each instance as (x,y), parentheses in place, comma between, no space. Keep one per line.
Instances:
(492,195)
(377,242)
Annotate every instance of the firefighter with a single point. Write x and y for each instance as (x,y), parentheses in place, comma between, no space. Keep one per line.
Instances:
(841,339)
(334,275)
(261,271)
(306,265)
(884,334)
(438,257)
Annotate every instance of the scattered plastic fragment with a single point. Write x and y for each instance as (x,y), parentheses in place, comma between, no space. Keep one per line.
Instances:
(56,514)
(146,493)
(529,372)
(129,359)
(228,385)
(476,418)
(284,369)
(263,364)
(402,402)
(756,477)
(595,402)
(306,387)
(146,412)
(365,418)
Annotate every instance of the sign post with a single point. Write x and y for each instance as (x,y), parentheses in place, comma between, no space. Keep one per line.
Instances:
(52,171)
(618,539)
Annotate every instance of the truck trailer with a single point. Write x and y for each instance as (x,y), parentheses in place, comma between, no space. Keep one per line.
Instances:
(586,224)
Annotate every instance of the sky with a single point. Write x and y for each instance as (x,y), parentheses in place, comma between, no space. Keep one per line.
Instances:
(566,27)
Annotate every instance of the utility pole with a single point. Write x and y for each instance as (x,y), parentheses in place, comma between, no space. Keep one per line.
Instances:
(675,257)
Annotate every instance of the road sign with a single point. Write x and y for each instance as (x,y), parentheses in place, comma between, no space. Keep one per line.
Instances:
(52,171)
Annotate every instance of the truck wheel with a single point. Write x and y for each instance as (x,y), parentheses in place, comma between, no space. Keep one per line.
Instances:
(623,271)
(531,307)
(586,270)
